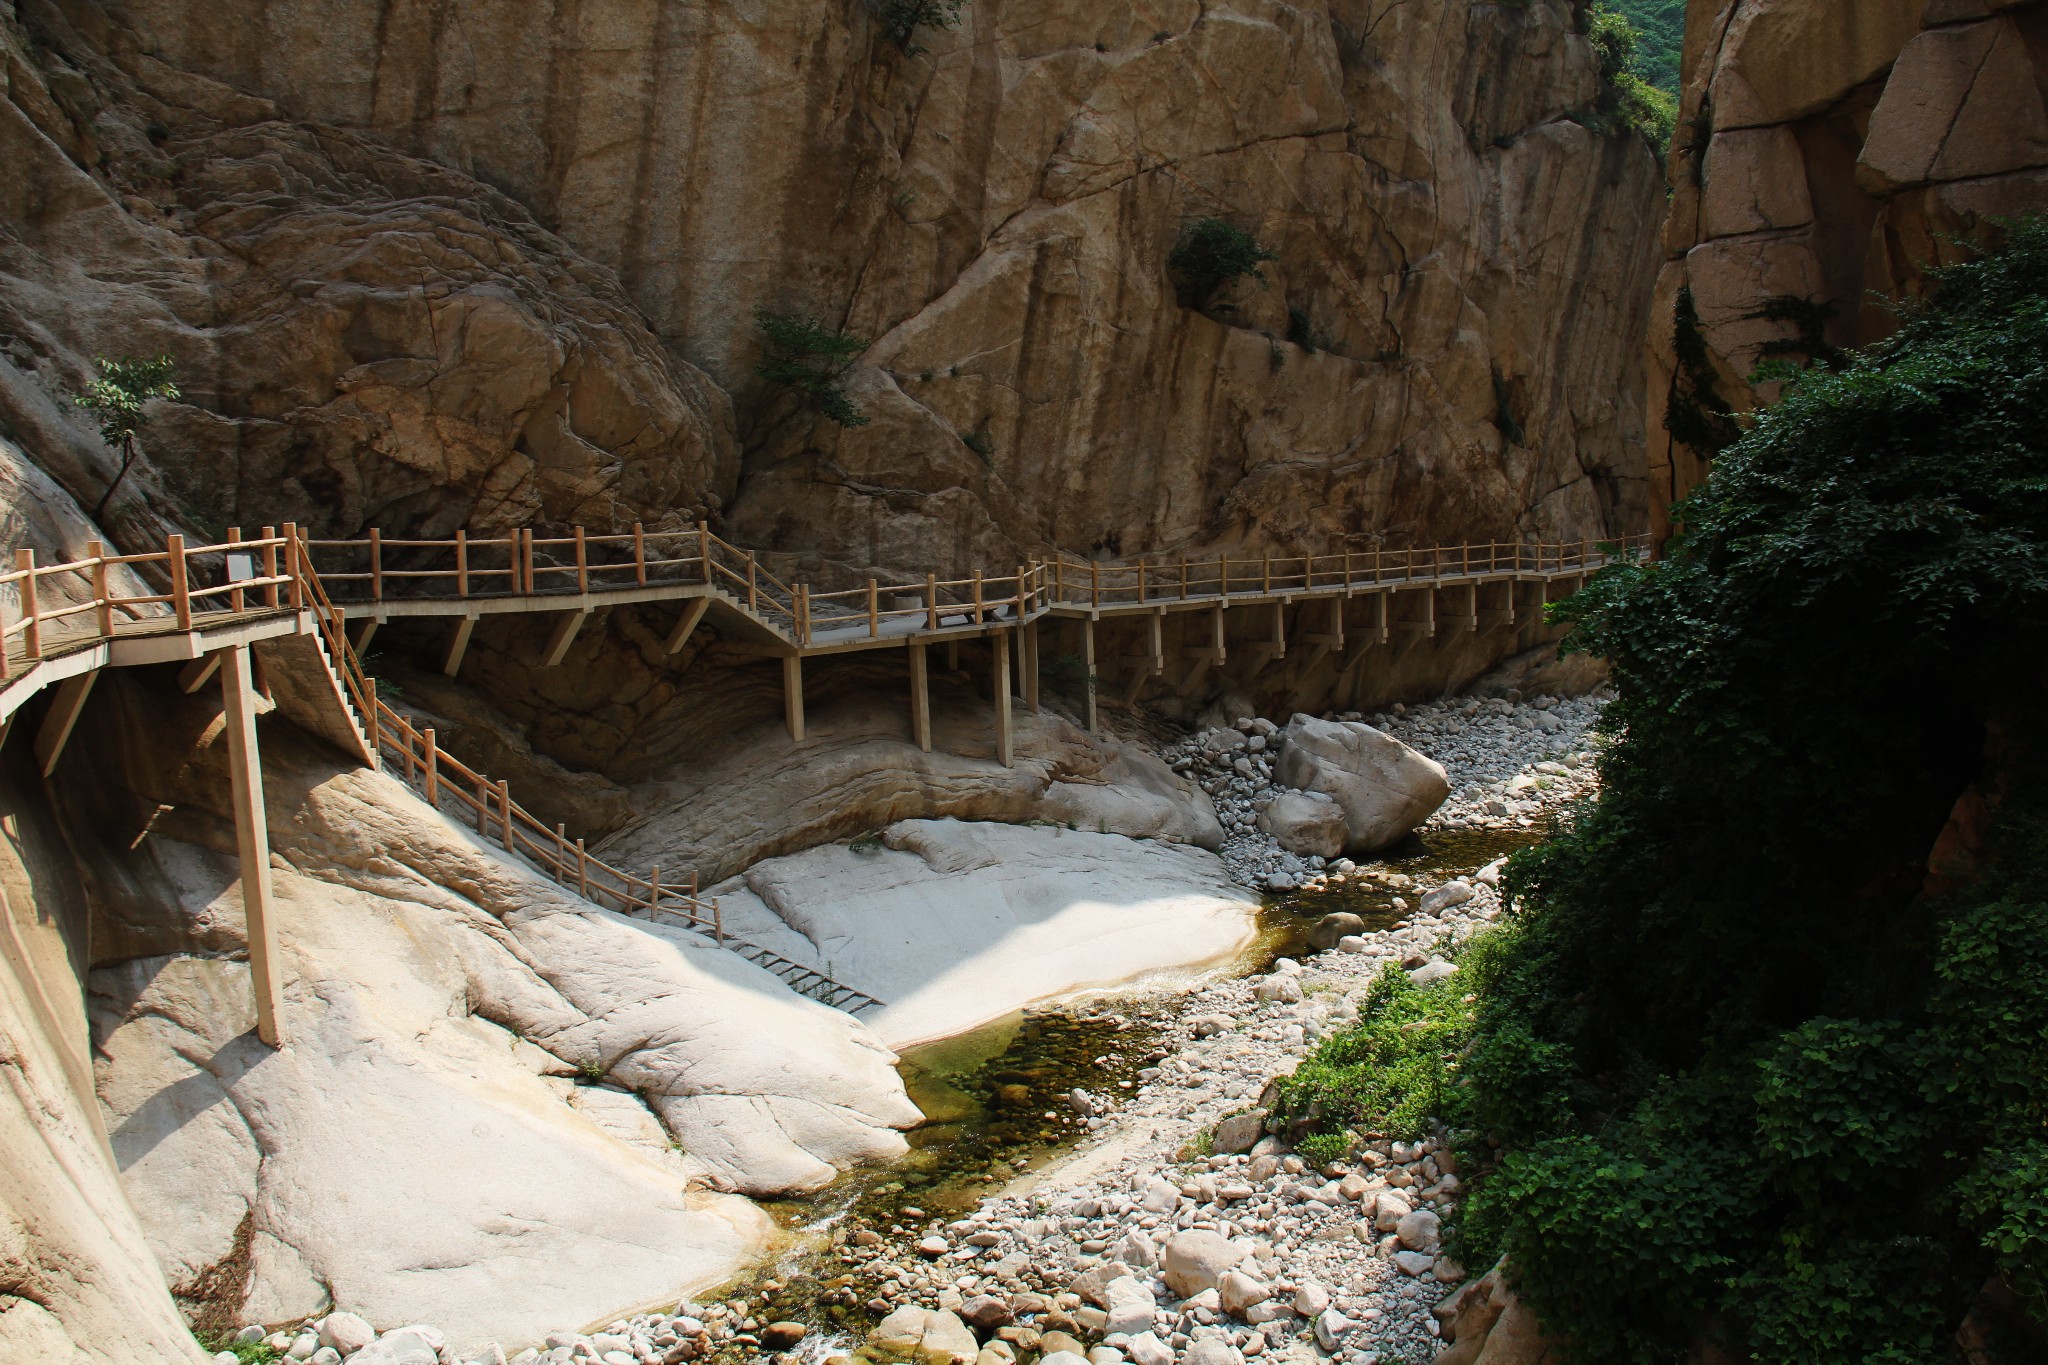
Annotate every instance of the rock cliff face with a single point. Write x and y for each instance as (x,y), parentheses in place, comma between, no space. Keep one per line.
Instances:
(466,262)
(1828,149)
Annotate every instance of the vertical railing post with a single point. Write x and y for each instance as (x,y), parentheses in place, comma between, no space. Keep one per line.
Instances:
(704,548)
(431,769)
(653,890)
(582,563)
(639,554)
(461,562)
(1141,580)
(526,561)
(103,604)
(753,585)
(1094,583)
(1059,578)
(32,628)
(561,859)
(717,922)
(977,597)
(931,601)
(582,870)
(234,594)
(874,609)
(299,558)
(376,564)
(370,693)
(181,592)
(270,597)
(1020,594)
(1183,578)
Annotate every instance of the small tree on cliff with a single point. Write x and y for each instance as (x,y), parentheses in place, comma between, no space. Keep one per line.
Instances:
(116,397)
(806,355)
(1212,253)
(901,19)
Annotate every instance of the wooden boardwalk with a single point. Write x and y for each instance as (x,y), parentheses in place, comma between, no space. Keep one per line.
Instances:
(68,621)
(60,624)
(1410,593)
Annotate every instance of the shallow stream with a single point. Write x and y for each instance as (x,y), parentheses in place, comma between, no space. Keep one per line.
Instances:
(995,1099)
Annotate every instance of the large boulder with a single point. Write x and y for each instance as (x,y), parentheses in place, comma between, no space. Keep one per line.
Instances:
(920,1336)
(1308,823)
(1384,788)
(1195,1260)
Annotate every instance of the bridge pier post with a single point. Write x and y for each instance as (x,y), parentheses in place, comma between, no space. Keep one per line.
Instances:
(1028,660)
(920,697)
(1001,640)
(1088,669)
(252,841)
(793,695)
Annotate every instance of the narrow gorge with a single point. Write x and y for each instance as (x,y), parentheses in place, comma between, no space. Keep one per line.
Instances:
(921,682)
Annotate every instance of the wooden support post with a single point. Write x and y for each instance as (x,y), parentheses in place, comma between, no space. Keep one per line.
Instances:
(252,842)
(1030,643)
(564,636)
(459,645)
(1216,633)
(430,767)
(1337,622)
(376,564)
(61,719)
(931,601)
(953,655)
(505,815)
(920,698)
(103,599)
(1088,668)
(198,673)
(181,585)
(793,695)
(582,563)
(461,562)
(1155,630)
(686,623)
(639,554)
(874,610)
(1001,679)
(270,558)
(1279,630)
(365,632)
(977,597)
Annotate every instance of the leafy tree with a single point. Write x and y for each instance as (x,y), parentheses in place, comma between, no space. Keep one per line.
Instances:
(117,397)
(901,19)
(1627,97)
(1765,1056)
(808,356)
(1660,29)
(1212,253)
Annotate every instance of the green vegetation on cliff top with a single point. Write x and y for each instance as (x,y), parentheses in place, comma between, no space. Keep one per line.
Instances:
(1759,1056)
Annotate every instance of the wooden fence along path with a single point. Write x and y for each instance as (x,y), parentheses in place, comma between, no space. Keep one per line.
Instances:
(201,603)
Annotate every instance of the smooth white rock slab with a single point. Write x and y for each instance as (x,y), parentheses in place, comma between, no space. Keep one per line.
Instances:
(956,923)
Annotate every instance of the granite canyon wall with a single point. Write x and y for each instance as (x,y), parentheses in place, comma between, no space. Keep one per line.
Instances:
(471,263)
(1828,150)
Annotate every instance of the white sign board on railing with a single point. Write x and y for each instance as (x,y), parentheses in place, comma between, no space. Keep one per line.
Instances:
(241,568)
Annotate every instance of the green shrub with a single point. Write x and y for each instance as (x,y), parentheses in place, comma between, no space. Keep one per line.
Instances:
(1754,1077)
(808,356)
(1210,254)
(116,397)
(1627,99)
(901,19)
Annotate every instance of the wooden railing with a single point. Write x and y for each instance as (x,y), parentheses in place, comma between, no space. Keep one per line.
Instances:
(377,569)
(1090,583)
(441,777)
(235,576)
